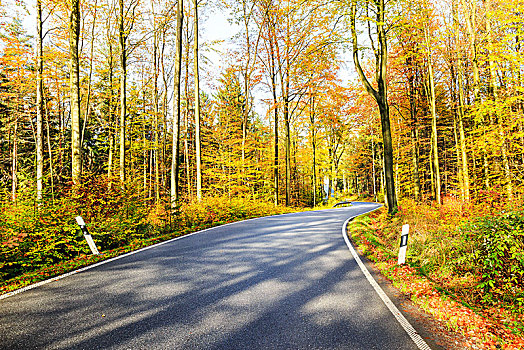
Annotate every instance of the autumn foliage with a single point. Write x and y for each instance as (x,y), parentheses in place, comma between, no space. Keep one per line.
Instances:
(457,255)
(39,242)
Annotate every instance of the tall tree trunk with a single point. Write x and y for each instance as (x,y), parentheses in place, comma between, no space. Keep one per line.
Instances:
(460,110)
(123,80)
(415,160)
(275,120)
(470,15)
(87,111)
(187,131)
(373,167)
(39,104)
(145,154)
(197,106)
(494,97)
(314,148)
(246,74)
(284,78)
(74,91)
(50,153)
(164,113)
(414,131)
(175,161)
(287,146)
(459,158)
(380,96)
(273,77)
(462,137)
(433,110)
(155,164)
(110,112)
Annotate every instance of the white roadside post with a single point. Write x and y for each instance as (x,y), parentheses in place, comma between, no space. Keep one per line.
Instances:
(403,245)
(87,236)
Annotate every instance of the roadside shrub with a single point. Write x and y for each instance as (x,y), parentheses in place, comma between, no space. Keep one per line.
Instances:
(223,209)
(493,248)
(472,252)
(33,236)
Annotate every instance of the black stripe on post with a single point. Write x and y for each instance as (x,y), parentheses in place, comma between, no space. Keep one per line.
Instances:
(403,240)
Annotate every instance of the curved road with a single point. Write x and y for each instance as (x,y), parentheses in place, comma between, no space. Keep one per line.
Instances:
(281,282)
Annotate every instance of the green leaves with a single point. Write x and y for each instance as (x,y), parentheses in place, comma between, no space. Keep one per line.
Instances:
(497,255)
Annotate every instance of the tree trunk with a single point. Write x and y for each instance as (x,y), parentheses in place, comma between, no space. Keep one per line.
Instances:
(175,161)
(415,160)
(74,91)
(461,133)
(155,164)
(50,153)
(288,142)
(284,79)
(273,77)
(87,111)
(197,106)
(110,112)
(494,97)
(247,77)
(14,161)
(380,96)
(414,134)
(187,131)
(470,20)
(123,81)
(39,104)
(314,148)
(373,168)
(432,105)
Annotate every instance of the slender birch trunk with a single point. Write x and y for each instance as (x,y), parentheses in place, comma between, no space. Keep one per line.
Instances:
(39,104)
(197,106)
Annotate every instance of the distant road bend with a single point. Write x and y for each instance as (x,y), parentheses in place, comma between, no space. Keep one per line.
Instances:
(281,282)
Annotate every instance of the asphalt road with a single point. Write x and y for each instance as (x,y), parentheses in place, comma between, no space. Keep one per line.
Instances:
(282,282)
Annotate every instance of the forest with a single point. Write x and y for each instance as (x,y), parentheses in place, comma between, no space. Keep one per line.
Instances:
(111,89)
(111,109)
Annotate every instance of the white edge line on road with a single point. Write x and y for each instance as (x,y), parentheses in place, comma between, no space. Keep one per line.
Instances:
(56,278)
(422,345)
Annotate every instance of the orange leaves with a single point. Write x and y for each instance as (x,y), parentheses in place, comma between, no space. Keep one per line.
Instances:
(483,331)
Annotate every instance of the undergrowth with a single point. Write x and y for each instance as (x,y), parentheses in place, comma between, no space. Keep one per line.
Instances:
(465,264)
(39,241)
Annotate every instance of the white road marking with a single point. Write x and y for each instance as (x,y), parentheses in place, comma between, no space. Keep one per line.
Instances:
(422,345)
